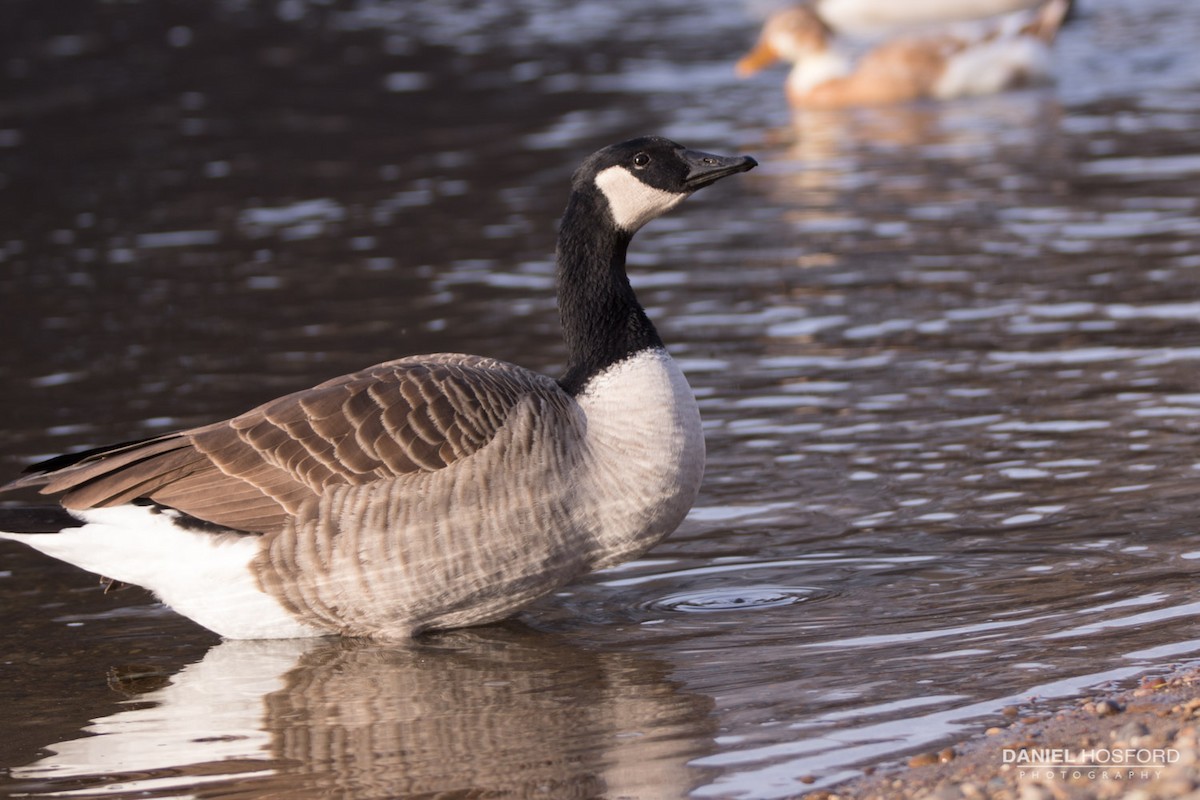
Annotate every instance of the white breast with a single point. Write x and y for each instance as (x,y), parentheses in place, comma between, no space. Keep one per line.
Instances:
(646,452)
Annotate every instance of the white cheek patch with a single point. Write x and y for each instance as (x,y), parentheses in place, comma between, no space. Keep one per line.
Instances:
(632,202)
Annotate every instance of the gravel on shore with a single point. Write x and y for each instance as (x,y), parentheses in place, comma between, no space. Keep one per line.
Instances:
(1138,744)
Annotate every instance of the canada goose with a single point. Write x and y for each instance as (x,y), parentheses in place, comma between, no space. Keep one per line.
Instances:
(429,492)
(956,61)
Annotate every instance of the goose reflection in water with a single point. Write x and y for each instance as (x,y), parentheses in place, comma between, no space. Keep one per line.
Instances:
(499,712)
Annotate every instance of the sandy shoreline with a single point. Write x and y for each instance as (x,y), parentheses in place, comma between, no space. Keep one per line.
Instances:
(1139,744)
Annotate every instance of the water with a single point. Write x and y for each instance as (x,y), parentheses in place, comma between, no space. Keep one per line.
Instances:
(945,357)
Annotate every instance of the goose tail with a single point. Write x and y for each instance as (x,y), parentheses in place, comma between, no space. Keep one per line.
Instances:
(203,574)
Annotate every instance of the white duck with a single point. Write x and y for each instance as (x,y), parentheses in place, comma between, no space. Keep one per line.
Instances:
(875,18)
(429,492)
(954,61)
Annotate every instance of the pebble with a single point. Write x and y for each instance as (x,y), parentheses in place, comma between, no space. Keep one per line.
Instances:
(923,760)
(972,791)
(1033,791)
(1130,732)
(1103,708)
(1149,686)
(1176,786)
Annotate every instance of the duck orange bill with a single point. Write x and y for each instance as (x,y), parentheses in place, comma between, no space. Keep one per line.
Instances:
(763,55)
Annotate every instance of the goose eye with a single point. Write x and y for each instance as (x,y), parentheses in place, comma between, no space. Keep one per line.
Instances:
(641,160)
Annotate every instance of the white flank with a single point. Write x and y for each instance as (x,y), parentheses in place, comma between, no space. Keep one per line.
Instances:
(994,66)
(632,202)
(644,433)
(202,575)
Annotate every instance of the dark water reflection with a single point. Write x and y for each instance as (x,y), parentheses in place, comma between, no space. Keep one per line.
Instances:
(496,712)
(945,357)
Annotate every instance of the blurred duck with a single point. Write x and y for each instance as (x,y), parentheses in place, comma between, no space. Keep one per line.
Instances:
(874,18)
(964,59)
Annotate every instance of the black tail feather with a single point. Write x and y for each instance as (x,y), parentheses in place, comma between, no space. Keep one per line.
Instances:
(36,519)
(71,459)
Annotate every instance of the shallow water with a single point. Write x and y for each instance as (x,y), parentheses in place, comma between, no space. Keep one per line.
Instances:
(945,356)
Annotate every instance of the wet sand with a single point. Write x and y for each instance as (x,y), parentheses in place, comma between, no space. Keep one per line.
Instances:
(1141,743)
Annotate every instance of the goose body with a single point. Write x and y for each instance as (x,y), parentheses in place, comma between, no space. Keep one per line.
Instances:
(958,60)
(428,492)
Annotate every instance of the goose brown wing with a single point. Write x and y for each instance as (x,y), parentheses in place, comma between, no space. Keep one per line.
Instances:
(254,471)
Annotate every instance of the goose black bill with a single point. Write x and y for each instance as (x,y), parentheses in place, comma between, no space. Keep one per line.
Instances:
(705,169)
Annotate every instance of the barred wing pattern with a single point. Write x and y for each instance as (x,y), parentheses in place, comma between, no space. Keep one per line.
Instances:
(255,471)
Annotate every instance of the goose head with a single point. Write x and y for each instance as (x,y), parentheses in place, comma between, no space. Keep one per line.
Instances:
(615,192)
(644,178)
(792,34)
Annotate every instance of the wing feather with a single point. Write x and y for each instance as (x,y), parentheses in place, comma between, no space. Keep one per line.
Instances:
(256,470)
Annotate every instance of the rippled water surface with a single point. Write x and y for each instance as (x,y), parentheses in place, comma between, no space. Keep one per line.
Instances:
(946,357)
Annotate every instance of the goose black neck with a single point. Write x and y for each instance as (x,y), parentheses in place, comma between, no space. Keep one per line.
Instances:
(602,321)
